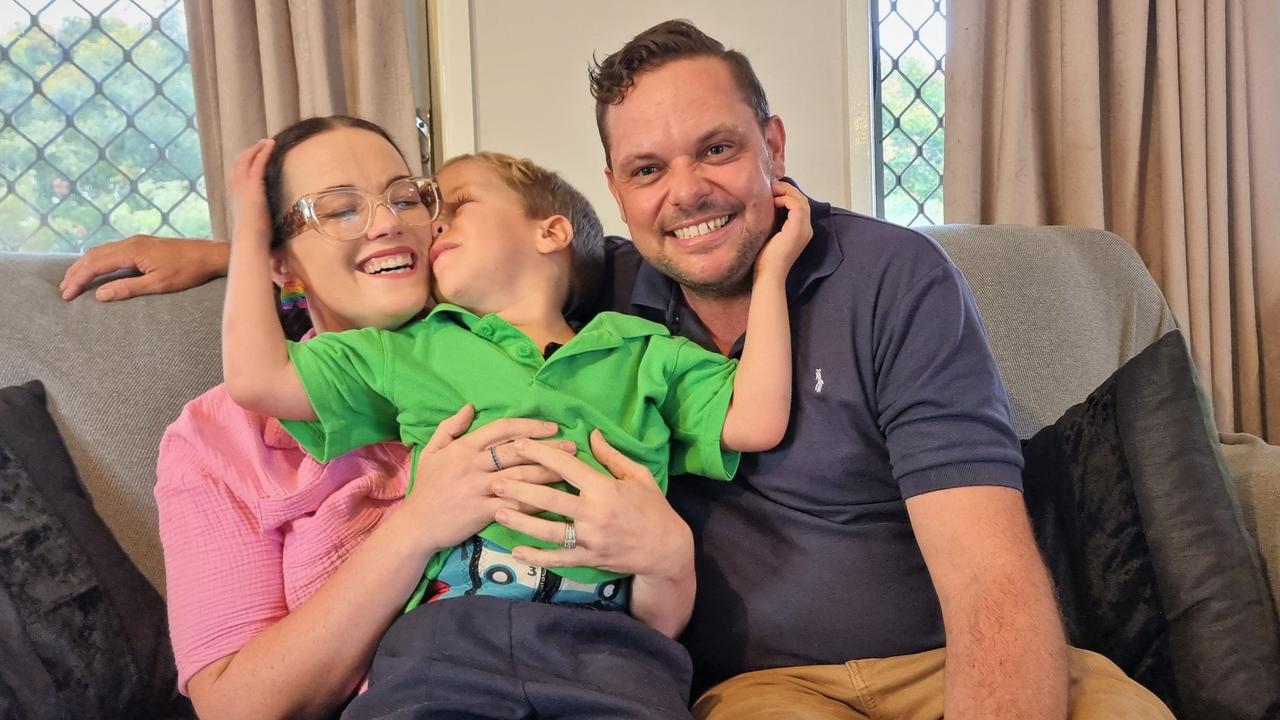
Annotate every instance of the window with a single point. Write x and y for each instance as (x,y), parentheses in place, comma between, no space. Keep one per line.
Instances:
(911,36)
(99,135)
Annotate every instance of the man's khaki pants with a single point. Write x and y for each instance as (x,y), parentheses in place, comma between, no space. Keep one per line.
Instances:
(908,687)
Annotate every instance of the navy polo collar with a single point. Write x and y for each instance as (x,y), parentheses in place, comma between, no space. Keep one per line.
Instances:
(820,258)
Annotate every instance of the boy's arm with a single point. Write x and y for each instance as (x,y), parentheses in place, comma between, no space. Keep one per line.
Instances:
(255,358)
(761,404)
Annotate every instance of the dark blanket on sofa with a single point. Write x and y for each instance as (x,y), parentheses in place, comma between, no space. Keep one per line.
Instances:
(1132,508)
(82,633)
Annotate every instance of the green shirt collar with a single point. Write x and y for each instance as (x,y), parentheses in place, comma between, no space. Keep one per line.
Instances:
(605,331)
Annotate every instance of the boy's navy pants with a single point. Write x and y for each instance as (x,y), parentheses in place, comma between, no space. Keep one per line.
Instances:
(486,657)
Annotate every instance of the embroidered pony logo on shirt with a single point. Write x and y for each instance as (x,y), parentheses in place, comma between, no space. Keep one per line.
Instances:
(817,386)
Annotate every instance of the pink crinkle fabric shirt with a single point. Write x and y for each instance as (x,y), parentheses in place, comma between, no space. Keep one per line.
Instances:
(252,526)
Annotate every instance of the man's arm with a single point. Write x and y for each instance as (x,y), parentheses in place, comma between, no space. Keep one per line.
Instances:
(164,265)
(1006,652)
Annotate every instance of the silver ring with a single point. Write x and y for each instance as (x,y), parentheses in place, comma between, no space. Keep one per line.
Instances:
(493,455)
(570,536)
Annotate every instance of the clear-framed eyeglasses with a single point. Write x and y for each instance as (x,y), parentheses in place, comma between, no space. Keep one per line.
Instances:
(346,214)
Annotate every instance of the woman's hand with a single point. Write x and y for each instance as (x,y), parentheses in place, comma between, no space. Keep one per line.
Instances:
(622,523)
(309,662)
(246,190)
(453,488)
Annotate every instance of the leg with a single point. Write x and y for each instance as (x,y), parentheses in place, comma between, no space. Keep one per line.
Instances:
(447,660)
(911,686)
(1101,691)
(810,692)
(907,687)
(579,664)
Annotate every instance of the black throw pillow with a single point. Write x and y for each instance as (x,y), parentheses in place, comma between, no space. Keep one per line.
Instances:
(82,632)
(1133,510)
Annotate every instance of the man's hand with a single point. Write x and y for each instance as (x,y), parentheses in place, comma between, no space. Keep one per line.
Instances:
(621,523)
(624,524)
(781,251)
(452,496)
(166,265)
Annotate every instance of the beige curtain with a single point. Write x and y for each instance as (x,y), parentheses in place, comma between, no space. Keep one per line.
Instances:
(260,65)
(1158,120)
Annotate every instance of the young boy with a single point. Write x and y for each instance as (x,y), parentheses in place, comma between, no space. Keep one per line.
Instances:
(504,255)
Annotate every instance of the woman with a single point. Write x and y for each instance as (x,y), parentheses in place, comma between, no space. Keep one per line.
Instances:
(283,574)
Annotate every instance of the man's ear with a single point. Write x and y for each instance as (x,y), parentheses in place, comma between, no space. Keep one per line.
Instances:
(613,190)
(554,234)
(775,141)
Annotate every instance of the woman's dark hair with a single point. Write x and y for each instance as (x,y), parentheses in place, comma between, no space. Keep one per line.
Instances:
(289,138)
(297,321)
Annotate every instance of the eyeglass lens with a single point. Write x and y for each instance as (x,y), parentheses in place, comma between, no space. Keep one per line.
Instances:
(346,214)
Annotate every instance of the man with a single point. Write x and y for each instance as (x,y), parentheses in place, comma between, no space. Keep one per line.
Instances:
(885,540)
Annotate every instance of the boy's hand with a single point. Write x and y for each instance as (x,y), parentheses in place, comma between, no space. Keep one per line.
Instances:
(781,251)
(248,194)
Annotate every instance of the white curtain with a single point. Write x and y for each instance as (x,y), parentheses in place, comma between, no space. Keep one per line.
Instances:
(260,65)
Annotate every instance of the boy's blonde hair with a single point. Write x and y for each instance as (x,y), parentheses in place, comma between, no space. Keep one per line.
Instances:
(544,193)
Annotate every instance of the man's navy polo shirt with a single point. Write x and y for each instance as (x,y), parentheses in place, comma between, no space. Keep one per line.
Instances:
(808,557)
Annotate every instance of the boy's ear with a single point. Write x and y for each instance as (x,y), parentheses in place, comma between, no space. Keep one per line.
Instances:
(554,234)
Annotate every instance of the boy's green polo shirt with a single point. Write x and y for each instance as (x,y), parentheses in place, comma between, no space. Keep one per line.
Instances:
(660,400)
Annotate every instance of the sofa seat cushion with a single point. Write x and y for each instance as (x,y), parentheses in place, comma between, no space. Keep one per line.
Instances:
(1255,468)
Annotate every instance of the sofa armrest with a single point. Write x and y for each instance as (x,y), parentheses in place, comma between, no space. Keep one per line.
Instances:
(1255,469)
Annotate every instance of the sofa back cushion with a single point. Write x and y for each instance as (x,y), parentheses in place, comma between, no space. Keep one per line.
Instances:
(115,374)
(1063,308)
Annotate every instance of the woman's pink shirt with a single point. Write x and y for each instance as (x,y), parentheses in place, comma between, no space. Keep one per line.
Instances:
(252,526)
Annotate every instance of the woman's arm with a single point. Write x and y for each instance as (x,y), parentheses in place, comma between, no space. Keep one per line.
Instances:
(255,355)
(761,404)
(309,660)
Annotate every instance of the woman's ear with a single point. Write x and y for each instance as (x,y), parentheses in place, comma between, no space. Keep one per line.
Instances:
(280,268)
(554,234)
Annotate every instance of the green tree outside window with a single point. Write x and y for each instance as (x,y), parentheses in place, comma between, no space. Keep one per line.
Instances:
(912,41)
(99,139)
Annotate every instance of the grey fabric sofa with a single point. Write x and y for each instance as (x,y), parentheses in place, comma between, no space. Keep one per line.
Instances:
(1063,307)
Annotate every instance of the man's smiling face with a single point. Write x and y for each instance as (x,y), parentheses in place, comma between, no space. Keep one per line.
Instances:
(692,172)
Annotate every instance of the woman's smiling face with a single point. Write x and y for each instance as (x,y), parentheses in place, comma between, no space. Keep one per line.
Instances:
(377,280)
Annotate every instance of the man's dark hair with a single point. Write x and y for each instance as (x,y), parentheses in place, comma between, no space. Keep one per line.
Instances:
(657,46)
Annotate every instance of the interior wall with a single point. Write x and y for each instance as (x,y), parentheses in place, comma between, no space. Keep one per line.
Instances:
(529,94)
